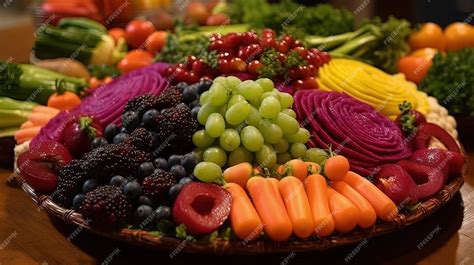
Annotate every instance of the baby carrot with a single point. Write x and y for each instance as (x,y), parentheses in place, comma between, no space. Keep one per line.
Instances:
(297,168)
(270,208)
(297,206)
(344,212)
(239,174)
(244,219)
(316,190)
(26,124)
(336,167)
(313,168)
(40,118)
(45,109)
(383,205)
(24,135)
(367,215)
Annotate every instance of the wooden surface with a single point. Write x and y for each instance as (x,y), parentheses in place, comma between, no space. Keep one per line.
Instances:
(29,236)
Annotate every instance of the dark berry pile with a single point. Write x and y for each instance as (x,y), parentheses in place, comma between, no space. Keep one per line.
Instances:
(134,172)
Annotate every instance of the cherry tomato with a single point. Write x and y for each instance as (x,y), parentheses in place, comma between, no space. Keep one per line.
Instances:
(192,78)
(458,36)
(425,52)
(254,67)
(137,31)
(117,33)
(268,33)
(238,65)
(430,35)
(198,66)
(156,41)
(248,38)
(135,59)
(224,66)
(283,46)
(414,68)
(268,42)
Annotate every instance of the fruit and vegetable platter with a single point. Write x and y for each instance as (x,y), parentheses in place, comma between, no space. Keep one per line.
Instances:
(241,138)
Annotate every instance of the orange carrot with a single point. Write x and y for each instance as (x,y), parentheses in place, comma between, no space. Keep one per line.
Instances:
(281,171)
(257,171)
(297,206)
(316,190)
(297,168)
(383,205)
(336,167)
(45,109)
(244,219)
(239,174)
(252,180)
(270,208)
(26,124)
(64,100)
(344,212)
(24,135)
(313,168)
(367,213)
(40,118)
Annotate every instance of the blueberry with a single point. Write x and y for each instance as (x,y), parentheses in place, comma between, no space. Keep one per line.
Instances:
(162,212)
(130,120)
(174,160)
(161,163)
(132,189)
(77,201)
(117,180)
(178,171)
(194,104)
(149,118)
(194,111)
(145,169)
(98,142)
(204,85)
(124,130)
(174,191)
(189,95)
(141,214)
(185,181)
(110,131)
(181,86)
(189,161)
(120,138)
(89,185)
(144,200)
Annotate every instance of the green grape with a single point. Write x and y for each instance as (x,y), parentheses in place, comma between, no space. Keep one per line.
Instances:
(302,136)
(286,100)
(270,94)
(204,98)
(215,125)
(288,124)
(217,95)
(316,155)
(266,84)
(251,90)
(204,113)
(229,140)
(269,108)
(239,155)
(282,146)
(270,131)
(234,99)
(222,110)
(198,153)
(289,112)
(220,80)
(251,138)
(201,139)
(207,171)
(282,158)
(233,82)
(237,113)
(254,117)
(266,156)
(215,155)
(298,150)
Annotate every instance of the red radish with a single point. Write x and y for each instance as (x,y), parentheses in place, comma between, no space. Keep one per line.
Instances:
(202,207)
(428,130)
(456,163)
(395,182)
(432,157)
(79,133)
(429,180)
(52,152)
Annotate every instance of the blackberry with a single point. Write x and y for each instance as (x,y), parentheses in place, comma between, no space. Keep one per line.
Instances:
(70,180)
(169,98)
(157,185)
(141,139)
(141,104)
(107,207)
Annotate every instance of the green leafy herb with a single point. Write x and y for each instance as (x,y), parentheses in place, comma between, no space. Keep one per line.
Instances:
(271,65)
(182,234)
(103,70)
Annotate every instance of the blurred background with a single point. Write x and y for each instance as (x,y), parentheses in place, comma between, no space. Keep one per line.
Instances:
(18,17)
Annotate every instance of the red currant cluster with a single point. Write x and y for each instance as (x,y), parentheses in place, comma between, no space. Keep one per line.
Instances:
(248,52)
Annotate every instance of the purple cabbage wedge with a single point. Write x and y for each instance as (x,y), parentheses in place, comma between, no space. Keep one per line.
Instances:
(356,130)
(107,102)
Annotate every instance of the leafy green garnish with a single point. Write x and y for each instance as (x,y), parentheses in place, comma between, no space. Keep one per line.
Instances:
(182,234)
(271,65)
(103,70)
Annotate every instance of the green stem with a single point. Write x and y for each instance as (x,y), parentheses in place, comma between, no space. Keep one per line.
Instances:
(354,44)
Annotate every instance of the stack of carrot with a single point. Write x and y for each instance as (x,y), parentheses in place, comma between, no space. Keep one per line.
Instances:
(39,116)
(304,202)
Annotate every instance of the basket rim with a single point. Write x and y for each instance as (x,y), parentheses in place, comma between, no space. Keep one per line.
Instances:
(224,247)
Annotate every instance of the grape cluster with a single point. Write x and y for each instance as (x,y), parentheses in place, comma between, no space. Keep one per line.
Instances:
(247,121)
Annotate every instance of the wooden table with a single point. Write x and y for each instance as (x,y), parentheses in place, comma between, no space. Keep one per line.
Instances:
(29,236)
